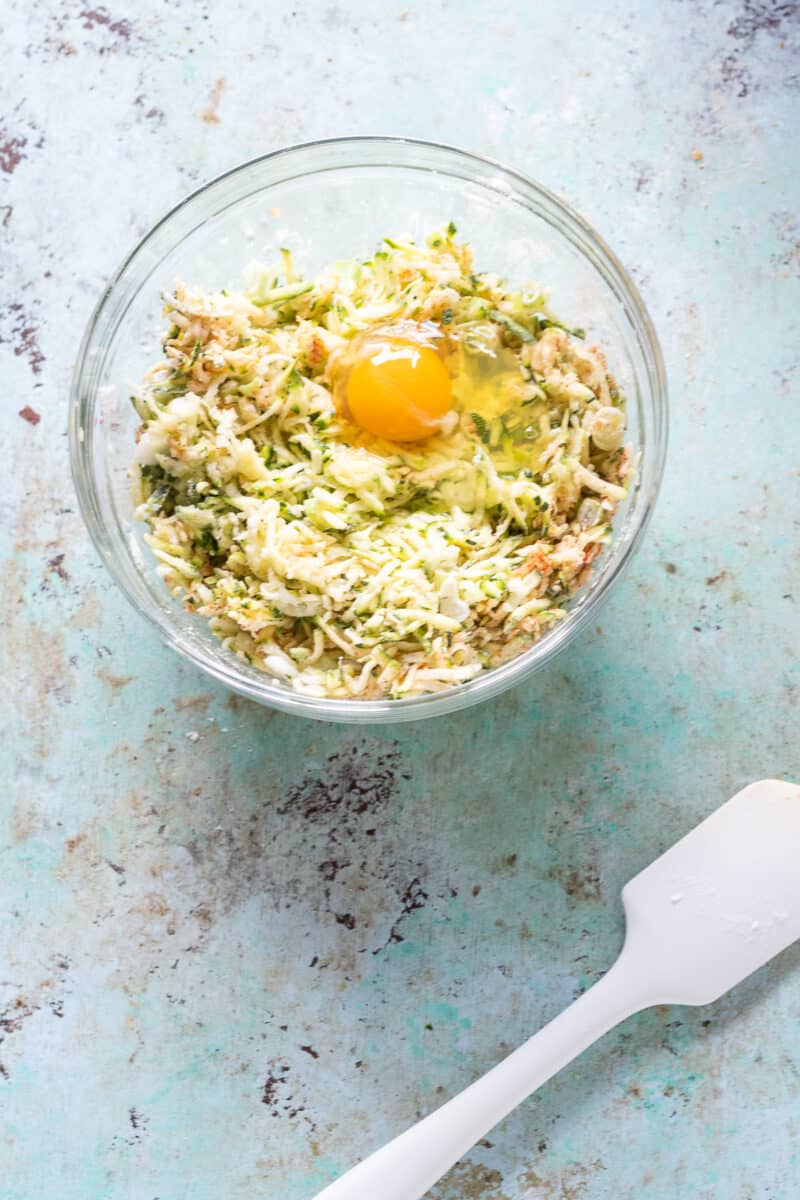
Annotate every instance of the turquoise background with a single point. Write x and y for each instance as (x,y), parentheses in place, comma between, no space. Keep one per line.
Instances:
(230,966)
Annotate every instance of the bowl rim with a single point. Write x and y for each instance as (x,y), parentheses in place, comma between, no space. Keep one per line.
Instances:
(491,682)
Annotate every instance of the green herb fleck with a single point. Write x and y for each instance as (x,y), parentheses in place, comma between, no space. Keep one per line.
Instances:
(198,346)
(543,322)
(152,472)
(162,499)
(481,427)
(209,542)
(513,327)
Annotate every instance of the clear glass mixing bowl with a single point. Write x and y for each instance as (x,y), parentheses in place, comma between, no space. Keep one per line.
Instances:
(337,199)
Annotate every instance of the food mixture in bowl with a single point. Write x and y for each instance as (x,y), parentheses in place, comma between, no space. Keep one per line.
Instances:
(381,482)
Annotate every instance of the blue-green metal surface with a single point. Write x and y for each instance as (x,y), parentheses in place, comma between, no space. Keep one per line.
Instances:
(232,963)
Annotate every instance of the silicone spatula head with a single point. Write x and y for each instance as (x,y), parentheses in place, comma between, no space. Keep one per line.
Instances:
(723,900)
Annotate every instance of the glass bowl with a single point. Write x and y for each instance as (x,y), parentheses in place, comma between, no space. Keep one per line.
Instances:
(337,199)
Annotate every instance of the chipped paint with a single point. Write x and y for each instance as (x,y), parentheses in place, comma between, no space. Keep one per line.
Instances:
(238,951)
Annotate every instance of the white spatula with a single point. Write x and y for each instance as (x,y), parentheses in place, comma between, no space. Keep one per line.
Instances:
(701,918)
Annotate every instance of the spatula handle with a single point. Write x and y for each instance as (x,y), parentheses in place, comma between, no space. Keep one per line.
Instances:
(406,1167)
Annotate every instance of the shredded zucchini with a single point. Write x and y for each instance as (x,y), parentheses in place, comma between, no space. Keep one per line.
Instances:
(345,565)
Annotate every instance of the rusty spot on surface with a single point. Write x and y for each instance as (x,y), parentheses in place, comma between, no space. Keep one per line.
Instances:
(138,1123)
(791,259)
(24,822)
(470,1181)
(735,75)
(11,149)
(413,898)
(350,784)
(22,335)
(202,914)
(194,703)
(310,1050)
(765,17)
(156,905)
(269,1091)
(30,415)
(25,1004)
(670,568)
(712,579)
(56,565)
(95,17)
(72,843)
(330,868)
(787,258)
(508,862)
(210,113)
(644,177)
(52,674)
(115,682)
(275,1097)
(580,882)
(570,1183)
(151,114)
(13,1015)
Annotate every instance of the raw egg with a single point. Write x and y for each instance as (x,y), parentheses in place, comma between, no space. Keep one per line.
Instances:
(486,374)
(397,385)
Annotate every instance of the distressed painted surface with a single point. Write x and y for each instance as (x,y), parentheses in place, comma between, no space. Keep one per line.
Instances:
(232,963)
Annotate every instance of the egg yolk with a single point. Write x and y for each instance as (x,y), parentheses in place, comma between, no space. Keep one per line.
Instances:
(398,389)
